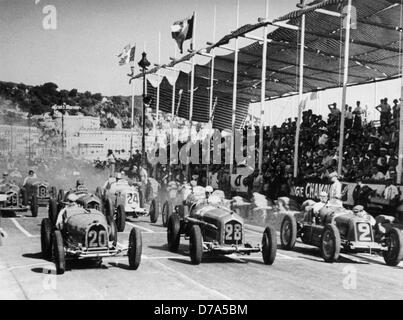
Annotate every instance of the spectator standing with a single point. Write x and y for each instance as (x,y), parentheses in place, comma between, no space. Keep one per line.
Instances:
(349,117)
(111,163)
(358,112)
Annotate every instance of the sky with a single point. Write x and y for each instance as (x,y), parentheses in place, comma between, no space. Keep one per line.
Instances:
(82,51)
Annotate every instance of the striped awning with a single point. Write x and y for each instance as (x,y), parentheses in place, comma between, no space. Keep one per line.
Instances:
(375,51)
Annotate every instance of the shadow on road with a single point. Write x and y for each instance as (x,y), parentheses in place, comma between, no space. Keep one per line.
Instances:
(37,255)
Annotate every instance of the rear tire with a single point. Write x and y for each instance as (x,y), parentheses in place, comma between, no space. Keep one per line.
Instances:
(288,232)
(154,211)
(394,254)
(269,245)
(58,252)
(24,194)
(53,192)
(330,243)
(34,205)
(60,195)
(166,212)
(120,218)
(195,245)
(98,192)
(113,233)
(109,209)
(46,239)
(173,234)
(135,248)
(52,211)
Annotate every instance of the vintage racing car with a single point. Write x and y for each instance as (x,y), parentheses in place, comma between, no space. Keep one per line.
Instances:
(168,197)
(85,234)
(337,229)
(122,198)
(40,189)
(212,227)
(11,200)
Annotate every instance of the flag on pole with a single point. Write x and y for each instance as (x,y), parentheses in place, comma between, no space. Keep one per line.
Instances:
(127,55)
(182,30)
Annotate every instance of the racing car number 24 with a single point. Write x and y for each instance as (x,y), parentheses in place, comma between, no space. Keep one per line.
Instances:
(131,197)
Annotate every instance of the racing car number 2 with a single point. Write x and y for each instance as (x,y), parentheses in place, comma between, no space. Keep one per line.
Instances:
(364,231)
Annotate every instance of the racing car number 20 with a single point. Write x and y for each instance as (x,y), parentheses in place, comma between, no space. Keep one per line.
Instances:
(97,238)
(233,232)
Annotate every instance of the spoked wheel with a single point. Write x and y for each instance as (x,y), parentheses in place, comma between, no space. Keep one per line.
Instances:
(46,239)
(135,248)
(269,245)
(330,244)
(120,218)
(58,252)
(196,245)
(288,232)
(154,211)
(394,254)
(173,234)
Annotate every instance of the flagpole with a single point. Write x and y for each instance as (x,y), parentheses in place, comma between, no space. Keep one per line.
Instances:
(158,88)
(301,91)
(192,80)
(263,89)
(234,94)
(211,98)
(132,116)
(345,80)
(172,120)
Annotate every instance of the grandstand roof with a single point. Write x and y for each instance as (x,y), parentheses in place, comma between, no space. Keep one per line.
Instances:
(375,51)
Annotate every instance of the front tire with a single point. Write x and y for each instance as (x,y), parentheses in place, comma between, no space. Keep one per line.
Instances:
(269,245)
(120,218)
(288,232)
(330,243)
(196,245)
(58,252)
(154,211)
(135,248)
(394,254)
(46,239)
(173,233)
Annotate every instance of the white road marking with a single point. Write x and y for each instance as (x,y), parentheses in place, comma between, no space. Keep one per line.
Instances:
(180,274)
(21,228)
(51,266)
(137,226)
(285,256)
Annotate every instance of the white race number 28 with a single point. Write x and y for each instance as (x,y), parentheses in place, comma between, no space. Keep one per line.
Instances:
(233,232)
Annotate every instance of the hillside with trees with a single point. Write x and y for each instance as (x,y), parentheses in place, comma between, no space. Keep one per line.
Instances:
(37,100)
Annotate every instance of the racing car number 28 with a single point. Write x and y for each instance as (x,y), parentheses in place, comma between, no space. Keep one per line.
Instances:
(233,232)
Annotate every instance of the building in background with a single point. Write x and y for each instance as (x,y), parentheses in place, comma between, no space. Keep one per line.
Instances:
(15,139)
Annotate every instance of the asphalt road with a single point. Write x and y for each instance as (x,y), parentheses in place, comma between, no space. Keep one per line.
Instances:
(299,274)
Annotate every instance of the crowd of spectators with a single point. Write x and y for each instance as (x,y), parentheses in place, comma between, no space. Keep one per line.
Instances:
(370,148)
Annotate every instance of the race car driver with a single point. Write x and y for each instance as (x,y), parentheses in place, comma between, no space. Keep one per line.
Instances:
(5,179)
(64,213)
(31,175)
(80,187)
(360,212)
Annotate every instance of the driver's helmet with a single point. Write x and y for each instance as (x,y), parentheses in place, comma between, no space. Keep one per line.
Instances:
(118,176)
(72,198)
(79,182)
